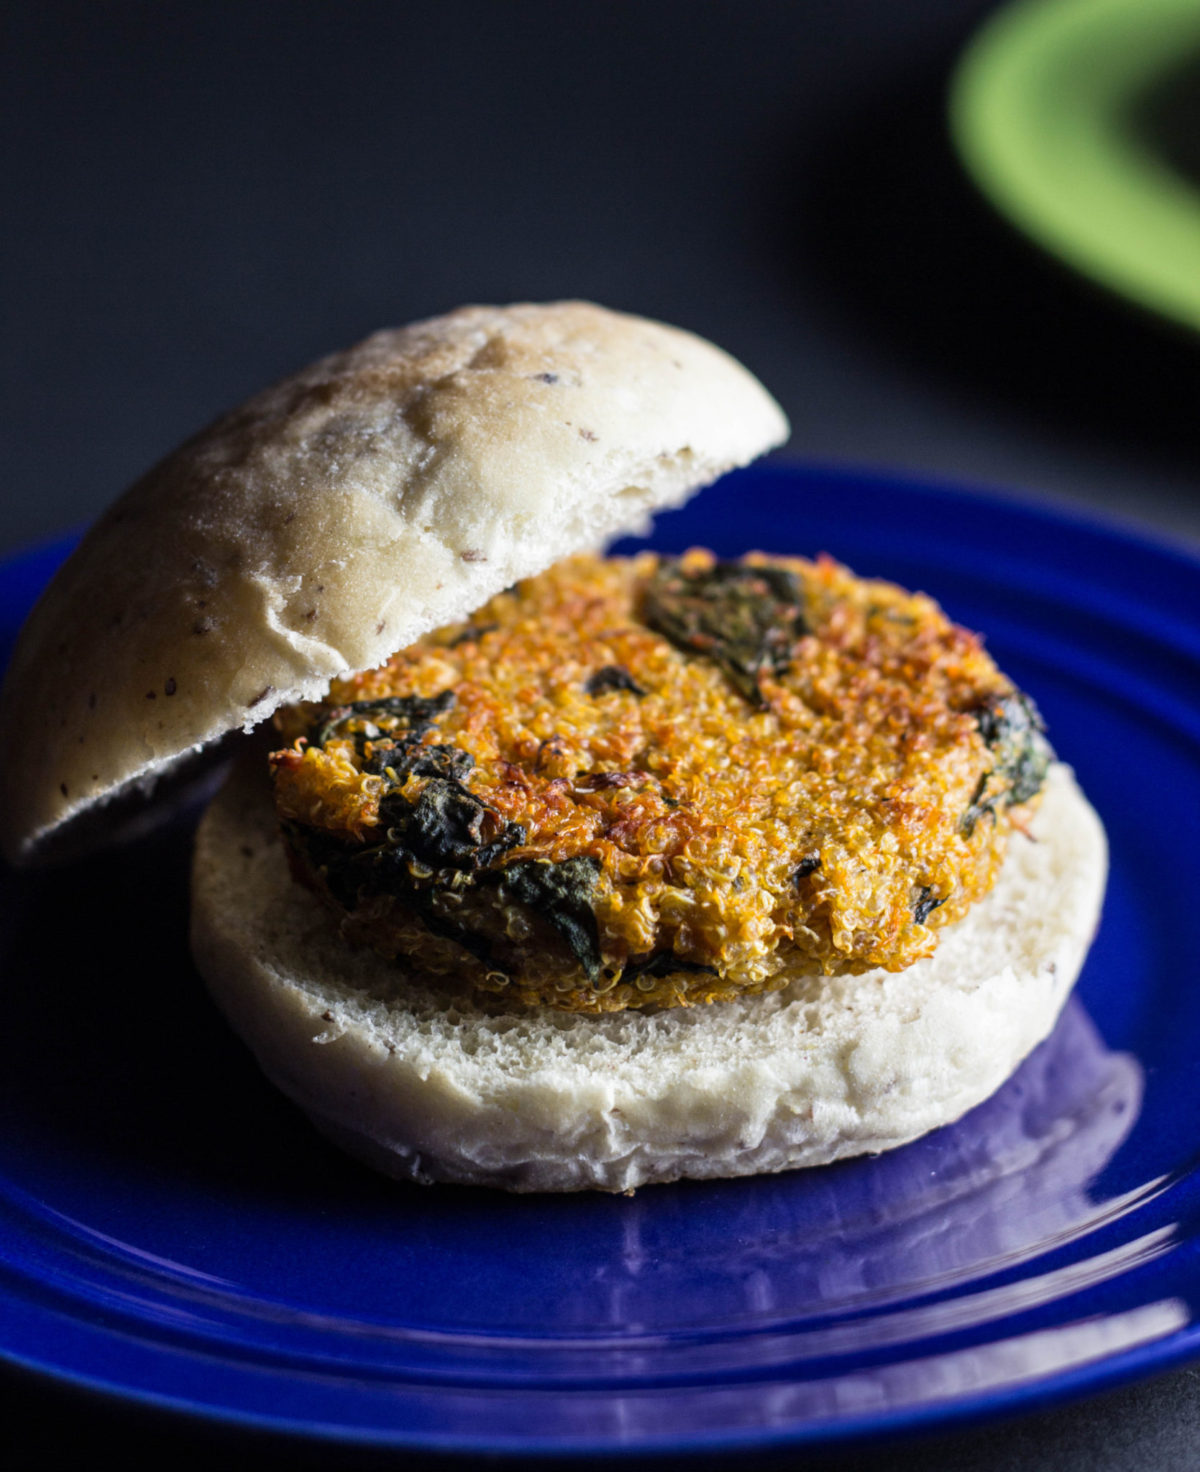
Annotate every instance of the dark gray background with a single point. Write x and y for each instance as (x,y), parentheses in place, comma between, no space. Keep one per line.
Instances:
(199,198)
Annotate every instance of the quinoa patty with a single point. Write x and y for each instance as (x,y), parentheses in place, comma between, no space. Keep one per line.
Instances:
(663,781)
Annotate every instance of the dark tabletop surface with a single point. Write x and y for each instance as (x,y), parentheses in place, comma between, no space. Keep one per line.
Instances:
(200,198)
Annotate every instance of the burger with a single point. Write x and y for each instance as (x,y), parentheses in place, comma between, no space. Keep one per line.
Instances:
(536,868)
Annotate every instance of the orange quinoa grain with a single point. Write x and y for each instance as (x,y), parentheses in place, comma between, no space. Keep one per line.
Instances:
(734,842)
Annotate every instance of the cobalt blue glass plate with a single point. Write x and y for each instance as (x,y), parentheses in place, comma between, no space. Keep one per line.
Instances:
(172,1232)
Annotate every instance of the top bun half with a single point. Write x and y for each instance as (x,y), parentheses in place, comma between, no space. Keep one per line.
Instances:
(339,515)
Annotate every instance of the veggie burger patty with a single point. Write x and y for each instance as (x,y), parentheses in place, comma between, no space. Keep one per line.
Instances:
(663,781)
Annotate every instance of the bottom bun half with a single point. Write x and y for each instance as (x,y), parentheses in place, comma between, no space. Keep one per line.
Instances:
(429,1085)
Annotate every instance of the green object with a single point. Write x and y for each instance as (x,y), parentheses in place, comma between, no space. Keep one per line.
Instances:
(413,712)
(562,894)
(1080,120)
(744,618)
(1012,729)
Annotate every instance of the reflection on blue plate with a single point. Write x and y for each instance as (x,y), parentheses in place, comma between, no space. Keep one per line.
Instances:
(172,1231)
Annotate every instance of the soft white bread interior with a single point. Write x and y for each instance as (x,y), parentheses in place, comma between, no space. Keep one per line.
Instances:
(334,518)
(427,1085)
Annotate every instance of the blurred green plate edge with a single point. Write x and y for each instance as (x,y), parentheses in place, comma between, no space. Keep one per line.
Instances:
(1047,112)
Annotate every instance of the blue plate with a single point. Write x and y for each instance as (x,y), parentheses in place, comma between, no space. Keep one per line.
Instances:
(171,1231)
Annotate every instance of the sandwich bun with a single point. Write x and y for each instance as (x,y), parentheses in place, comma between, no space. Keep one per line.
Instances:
(429,1085)
(339,515)
(334,519)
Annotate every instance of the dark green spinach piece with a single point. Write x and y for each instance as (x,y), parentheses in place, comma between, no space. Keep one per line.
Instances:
(612,677)
(445,828)
(356,874)
(395,726)
(406,758)
(924,904)
(472,633)
(1013,730)
(662,963)
(415,713)
(746,619)
(422,900)
(562,894)
(448,827)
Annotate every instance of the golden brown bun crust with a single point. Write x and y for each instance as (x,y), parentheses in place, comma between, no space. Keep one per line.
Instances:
(337,516)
